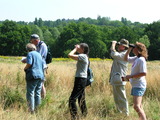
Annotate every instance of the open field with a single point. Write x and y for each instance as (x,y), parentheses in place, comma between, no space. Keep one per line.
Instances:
(59,85)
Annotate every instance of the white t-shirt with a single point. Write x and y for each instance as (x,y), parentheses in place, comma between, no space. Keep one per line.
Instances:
(138,66)
(82,66)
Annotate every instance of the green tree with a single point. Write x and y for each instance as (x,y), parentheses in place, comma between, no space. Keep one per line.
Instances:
(55,32)
(92,36)
(40,22)
(98,49)
(47,36)
(50,41)
(11,40)
(37,30)
(125,32)
(152,31)
(25,32)
(82,32)
(125,21)
(116,23)
(69,45)
(36,21)
(8,26)
(62,34)
(145,40)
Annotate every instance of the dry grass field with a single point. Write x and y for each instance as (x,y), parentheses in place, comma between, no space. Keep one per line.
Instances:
(59,85)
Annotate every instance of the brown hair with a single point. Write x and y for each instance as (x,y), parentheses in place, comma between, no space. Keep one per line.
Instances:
(85,47)
(142,50)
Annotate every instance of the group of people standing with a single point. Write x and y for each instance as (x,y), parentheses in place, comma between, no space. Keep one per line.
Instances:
(119,77)
(35,71)
(35,61)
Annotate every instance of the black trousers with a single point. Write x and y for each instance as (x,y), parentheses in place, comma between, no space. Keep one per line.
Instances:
(78,93)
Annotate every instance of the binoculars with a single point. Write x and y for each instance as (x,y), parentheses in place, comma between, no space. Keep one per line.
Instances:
(132,45)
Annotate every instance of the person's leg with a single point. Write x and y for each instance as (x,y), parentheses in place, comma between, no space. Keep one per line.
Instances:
(82,103)
(115,97)
(38,93)
(74,95)
(43,91)
(72,100)
(120,99)
(137,104)
(81,98)
(30,94)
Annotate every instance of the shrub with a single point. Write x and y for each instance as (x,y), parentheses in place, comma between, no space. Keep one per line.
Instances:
(10,98)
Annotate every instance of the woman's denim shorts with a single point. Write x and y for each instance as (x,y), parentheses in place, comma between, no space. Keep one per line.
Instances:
(138,91)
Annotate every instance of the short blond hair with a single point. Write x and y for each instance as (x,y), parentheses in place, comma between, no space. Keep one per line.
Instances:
(142,50)
(30,47)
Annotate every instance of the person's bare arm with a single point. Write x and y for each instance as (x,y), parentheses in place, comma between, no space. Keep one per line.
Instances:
(127,54)
(136,75)
(72,54)
(27,66)
(113,45)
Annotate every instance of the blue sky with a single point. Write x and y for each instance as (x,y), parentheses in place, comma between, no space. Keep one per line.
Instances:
(145,11)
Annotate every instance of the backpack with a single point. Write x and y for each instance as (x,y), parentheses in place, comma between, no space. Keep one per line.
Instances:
(89,76)
(49,55)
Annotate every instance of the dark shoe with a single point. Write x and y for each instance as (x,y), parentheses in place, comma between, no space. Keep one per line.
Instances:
(74,118)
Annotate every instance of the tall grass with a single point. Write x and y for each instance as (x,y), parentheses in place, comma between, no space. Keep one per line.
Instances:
(59,85)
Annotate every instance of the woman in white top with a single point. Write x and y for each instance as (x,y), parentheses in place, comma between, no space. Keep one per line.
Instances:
(137,76)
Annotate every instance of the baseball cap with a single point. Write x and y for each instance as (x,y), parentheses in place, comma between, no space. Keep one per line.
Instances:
(34,36)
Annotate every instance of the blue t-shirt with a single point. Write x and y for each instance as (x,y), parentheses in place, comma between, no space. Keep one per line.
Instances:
(36,62)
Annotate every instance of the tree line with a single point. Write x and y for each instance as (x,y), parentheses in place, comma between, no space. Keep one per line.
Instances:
(61,35)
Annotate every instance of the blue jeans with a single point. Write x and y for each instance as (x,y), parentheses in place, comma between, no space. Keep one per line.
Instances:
(33,93)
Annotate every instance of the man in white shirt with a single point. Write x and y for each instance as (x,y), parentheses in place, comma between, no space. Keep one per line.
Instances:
(118,70)
(42,49)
